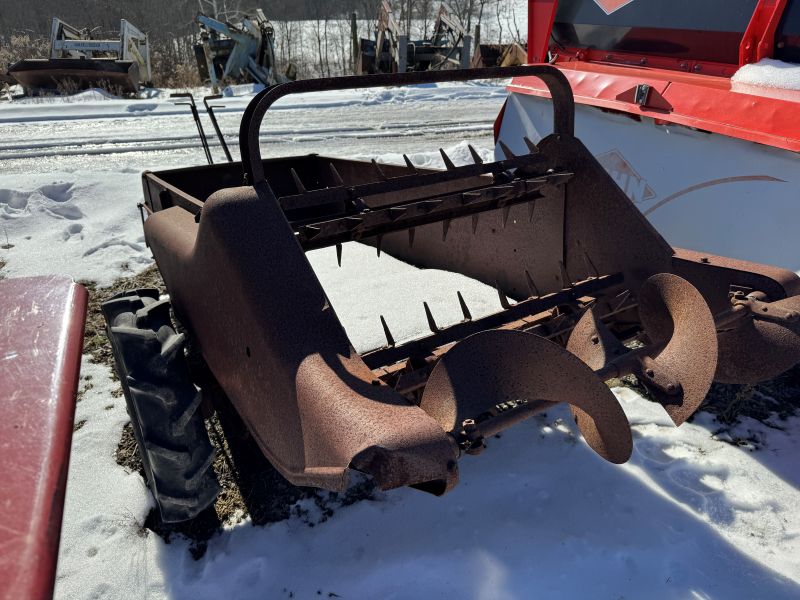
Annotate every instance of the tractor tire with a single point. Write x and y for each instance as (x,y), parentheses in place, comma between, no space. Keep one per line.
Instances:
(163,404)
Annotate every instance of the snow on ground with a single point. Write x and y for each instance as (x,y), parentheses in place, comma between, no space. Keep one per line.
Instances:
(536,515)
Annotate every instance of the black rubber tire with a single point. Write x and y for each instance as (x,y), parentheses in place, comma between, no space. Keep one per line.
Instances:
(163,404)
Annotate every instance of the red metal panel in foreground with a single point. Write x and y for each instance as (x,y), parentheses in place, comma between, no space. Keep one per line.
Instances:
(41,335)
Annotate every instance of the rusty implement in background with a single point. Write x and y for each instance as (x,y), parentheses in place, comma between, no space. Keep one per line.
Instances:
(597,293)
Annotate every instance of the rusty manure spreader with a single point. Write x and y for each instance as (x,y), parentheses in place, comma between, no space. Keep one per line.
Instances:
(597,292)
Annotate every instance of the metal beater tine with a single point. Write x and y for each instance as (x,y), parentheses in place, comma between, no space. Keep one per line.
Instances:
(534,149)
(475,156)
(566,280)
(378,170)
(590,268)
(445,228)
(311,231)
(409,164)
(464,308)
(411,237)
(339,254)
(506,150)
(531,209)
(506,211)
(387,333)
(532,289)
(475,223)
(336,176)
(624,295)
(299,184)
(447,162)
(431,323)
(378,243)
(503,299)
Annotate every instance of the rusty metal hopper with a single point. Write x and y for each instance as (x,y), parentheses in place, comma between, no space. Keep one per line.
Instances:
(596,293)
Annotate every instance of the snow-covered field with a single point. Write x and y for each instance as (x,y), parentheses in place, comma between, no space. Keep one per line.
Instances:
(537,515)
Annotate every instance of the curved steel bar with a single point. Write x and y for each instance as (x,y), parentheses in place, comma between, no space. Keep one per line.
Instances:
(557,83)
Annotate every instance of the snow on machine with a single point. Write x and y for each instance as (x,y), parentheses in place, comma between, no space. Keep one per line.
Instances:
(596,293)
(667,102)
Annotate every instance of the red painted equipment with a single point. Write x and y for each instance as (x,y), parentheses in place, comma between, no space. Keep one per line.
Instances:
(686,90)
(41,336)
(653,78)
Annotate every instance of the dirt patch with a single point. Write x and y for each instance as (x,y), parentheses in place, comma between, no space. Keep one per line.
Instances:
(95,341)
(766,402)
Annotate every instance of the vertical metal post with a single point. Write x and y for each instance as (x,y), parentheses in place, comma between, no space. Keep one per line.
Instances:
(197,122)
(212,116)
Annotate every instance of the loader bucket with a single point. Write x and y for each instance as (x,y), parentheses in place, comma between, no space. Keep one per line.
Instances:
(595,293)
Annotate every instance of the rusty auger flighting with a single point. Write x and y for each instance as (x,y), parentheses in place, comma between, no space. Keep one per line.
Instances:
(598,293)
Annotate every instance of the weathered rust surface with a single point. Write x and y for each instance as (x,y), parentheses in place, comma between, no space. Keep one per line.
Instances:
(497,367)
(281,354)
(41,336)
(79,74)
(678,364)
(549,228)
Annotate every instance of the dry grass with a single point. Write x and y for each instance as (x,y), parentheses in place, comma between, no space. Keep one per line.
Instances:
(729,403)
(21,46)
(95,341)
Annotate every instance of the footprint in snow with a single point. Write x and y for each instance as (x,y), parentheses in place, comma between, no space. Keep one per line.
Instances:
(57,192)
(75,230)
(111,243)
(13,201)
(64,211)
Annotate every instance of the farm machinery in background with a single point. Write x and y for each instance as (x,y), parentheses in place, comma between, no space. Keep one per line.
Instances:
(497,55)
(588,291)
(238,51)
(78,61)
(393,52)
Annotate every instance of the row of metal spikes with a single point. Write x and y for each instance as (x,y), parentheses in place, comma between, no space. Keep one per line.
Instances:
(533,292)
(448,163)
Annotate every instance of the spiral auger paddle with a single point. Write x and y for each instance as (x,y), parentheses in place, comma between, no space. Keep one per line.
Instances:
(493,379)
(677,365)
(758,340)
